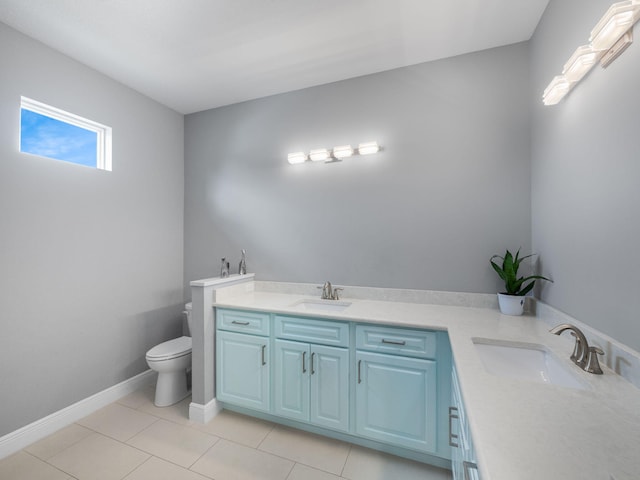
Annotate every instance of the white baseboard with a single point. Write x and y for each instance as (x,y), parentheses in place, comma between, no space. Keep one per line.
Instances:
(204,413)
(18,439)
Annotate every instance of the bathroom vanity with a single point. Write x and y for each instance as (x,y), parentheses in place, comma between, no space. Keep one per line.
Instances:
(377,369)
(379,386)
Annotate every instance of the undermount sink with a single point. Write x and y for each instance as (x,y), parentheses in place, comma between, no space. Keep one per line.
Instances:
(322,305)
(524,361)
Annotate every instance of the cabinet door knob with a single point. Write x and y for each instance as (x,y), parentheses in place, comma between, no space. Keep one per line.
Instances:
(359,377)
(313,354)
(264,361)
(235,322)
(394,342)
(304,369)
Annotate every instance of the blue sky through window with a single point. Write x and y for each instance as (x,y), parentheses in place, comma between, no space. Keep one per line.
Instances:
(51,138)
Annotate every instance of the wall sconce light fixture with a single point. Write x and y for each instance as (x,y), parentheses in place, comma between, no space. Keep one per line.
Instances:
(368,148)
(319,155)
(343,151)
(609,38)
(335,155)
(297,157)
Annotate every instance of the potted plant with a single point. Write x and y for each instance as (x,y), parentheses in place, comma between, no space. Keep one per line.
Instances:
(511,301)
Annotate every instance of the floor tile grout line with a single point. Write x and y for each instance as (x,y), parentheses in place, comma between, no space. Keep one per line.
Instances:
(348,444)
(47,463)
(67,447)
(291,470)
(136,468)
(138,433)
(346,459)
(203,454)
(273,426)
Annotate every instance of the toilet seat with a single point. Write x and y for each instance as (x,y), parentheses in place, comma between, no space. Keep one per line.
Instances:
(178,347)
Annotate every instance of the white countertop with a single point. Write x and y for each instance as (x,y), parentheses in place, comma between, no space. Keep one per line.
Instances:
(521,430)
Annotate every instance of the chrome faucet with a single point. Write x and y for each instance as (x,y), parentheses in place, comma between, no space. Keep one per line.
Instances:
(329,292)
(583,355)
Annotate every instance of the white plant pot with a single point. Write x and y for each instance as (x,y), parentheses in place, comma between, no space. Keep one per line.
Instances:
(511,304)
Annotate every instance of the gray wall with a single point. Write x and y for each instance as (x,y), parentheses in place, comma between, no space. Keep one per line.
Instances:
(586,176)
(91,261)
(451,188)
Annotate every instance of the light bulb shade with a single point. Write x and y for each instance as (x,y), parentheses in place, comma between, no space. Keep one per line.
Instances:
(296,157)
(342,151)
(616,22)
(582,60)
(556,90)
(368,148)
(319,155)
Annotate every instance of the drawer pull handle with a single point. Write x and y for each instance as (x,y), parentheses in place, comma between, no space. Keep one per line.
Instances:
(466,466)
(313,354)
(264,362)
(394,342)
(453,438)
(235,322)
(304,369)
(359,377)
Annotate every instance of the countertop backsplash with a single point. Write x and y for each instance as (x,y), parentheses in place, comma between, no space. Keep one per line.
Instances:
(458,299)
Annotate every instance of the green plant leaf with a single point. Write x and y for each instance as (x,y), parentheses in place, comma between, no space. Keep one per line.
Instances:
(527,289)
(508,272)
(498,270)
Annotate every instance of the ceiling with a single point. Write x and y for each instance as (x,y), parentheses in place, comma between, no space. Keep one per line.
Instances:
(192,55)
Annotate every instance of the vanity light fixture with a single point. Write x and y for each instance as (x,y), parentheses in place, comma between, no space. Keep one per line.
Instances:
(609,38)
(368,148)
(335,155)
(343,151)
(614,24)
(319,155)
(556,90)
(582,60)
(297,157)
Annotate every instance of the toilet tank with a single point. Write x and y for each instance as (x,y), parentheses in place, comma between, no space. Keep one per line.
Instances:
(187,312)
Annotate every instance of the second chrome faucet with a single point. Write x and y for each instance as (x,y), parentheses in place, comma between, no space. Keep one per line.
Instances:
(329,292)
(585,356)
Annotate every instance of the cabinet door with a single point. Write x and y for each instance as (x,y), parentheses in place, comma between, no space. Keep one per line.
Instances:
(291,380)
(329,369)
(242,370)
(396,400)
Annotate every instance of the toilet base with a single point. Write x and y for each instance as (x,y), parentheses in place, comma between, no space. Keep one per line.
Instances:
(171,387)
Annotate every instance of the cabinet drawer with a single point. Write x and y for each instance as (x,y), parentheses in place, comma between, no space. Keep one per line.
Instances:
(325,332)
(255,323)
(398,341)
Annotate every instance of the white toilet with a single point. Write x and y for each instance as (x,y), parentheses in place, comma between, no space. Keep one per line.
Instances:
(171,360)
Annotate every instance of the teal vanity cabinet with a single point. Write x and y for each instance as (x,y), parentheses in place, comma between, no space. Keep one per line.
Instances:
(242,359)
(397,386)
(311,376)
(463,460)
(383,387)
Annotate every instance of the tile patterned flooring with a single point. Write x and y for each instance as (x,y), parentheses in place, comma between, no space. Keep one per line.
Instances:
(134,440)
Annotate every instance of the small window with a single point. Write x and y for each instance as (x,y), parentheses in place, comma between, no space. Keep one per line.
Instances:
(53,133)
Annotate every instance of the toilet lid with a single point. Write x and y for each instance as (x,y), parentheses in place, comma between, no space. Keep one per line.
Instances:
(171,349)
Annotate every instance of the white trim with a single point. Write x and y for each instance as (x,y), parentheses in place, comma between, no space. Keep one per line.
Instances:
(18,439)
(103,132)
(204,413)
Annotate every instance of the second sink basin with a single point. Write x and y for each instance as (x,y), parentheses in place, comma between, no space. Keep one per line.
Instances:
(529,362)
(322,305)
